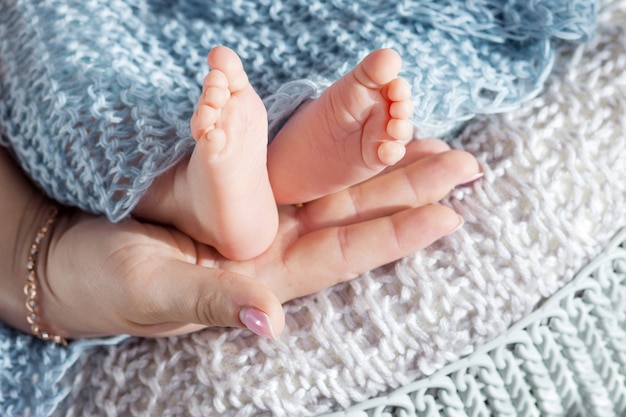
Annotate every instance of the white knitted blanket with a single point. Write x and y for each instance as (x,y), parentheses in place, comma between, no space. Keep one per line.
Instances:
(553,195)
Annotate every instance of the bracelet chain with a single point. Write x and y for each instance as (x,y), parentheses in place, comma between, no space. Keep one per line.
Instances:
(30,289)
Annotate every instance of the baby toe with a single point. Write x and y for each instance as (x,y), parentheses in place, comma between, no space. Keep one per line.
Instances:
(391,152)
(215,97)
(228,62)
(401,109)
(400,129)
(215,78)
(213,143)
(399,89)
(379,68)
(203,119)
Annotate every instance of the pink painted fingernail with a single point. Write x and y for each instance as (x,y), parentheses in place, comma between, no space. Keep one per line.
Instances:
(257,321)
(472,178)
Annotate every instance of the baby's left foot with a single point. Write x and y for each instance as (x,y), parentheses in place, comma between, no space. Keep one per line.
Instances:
(231,197)
(222,196)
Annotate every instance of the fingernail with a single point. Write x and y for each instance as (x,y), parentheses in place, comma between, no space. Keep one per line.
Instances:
(257,322)
(472,178)
(461,223)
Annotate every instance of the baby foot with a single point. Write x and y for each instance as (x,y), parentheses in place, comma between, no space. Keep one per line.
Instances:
(225,198)
(356,128)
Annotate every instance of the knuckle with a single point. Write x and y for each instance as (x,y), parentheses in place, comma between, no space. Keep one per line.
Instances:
(207,310)
(211,307)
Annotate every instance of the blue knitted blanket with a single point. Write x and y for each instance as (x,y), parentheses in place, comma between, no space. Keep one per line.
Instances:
(96,95)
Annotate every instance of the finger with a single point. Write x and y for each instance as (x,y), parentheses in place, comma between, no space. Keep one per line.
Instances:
(332,255)
(181,292)
(426,181)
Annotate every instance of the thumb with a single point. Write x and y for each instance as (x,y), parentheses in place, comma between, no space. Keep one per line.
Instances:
(189,293)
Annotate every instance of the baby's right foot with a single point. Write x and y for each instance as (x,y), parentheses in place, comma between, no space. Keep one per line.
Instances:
(355,129)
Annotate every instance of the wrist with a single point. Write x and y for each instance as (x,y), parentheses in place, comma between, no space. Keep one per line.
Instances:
(36,283)
(24,210)
(15,252)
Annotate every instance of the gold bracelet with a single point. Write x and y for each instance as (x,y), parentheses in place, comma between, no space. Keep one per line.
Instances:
(30,289)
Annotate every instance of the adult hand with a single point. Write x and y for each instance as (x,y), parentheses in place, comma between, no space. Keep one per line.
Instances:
(149,280)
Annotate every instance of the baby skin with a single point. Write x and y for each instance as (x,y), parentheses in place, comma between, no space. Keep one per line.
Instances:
(226,193)
(356,128)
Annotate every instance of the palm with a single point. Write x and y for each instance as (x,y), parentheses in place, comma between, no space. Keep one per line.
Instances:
(339,236)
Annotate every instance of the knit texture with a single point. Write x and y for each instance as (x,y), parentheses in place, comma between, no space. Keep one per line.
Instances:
(568,358)
(553,196)
(96,96)
(34,374)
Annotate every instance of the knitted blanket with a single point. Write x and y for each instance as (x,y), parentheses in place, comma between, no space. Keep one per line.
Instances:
(96,96)
(553,195)
(567,358)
